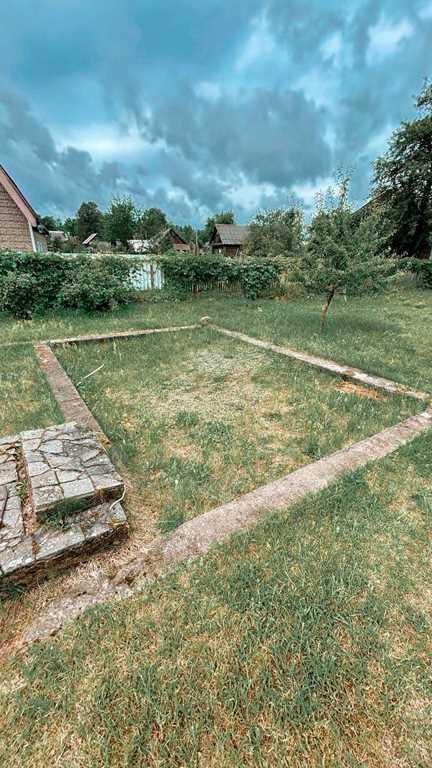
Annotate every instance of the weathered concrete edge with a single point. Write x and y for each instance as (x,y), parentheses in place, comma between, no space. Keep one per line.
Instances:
(119,334)
(378,382)
(66,395)
(196,537)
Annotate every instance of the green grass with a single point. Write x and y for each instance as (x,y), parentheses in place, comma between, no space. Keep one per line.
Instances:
(305,642)
(198,418)
(386,334)
(25,398)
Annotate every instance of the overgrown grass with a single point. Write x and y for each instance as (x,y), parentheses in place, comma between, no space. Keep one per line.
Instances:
(387,334)
(305,642)
(25,398)
(199,419)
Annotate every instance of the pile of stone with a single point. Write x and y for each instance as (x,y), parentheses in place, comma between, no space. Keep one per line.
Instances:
(66,484)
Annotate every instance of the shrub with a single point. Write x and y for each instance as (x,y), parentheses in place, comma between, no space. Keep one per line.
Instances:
(39,282)
(48,272)
(423,270)
(19,295)
(97,286)
(184,273)
(257,277)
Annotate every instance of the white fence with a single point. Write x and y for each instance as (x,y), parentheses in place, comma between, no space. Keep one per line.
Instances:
(147,275)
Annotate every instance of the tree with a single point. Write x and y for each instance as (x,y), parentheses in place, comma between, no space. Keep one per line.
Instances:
(51,223)
(88,220)
(70,226)
(150,223)
(121,220)
(343,256)
(188,232)
(403,181)
(278,232)
(224,217)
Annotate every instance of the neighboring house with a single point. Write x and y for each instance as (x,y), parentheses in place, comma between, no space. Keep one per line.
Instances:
(169,236)
(20,226)
(57,234)
(370,205)
(139,246)
(174,238)
(229,239)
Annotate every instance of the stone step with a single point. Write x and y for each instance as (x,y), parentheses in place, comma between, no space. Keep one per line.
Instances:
(67,470)
(11,521)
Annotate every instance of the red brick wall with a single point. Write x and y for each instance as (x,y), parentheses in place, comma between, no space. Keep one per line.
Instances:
(14,228)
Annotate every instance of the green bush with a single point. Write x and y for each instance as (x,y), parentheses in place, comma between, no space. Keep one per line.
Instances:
(32,283)
(423,269)
(97,286)
(186,273)
(49,272)
(19,295)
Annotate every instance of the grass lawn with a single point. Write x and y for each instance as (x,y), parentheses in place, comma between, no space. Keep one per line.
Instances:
(25,399)
(306,642)
(198,418)
(388,335)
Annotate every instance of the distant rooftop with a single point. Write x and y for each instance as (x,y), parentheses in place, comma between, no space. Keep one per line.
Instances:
(232,234)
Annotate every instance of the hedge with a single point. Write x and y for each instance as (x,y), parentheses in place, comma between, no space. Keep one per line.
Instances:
(32,282)
(183,273)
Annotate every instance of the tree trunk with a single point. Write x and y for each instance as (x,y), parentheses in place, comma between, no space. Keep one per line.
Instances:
(325,308)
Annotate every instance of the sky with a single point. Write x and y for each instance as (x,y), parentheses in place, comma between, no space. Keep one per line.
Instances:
(197,106)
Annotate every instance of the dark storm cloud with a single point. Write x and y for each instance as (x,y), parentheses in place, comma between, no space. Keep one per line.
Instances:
(53,178)
(272,136)
(227,97)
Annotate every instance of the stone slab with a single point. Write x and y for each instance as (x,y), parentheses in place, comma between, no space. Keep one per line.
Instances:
(68,398)
(68,470)
(119,334)
(50,548)
(11,518)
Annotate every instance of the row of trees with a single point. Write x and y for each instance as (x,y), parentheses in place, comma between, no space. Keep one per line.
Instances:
(401,204)
(123,221)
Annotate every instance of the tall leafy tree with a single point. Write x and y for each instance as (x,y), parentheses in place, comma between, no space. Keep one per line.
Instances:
(278,232)
(403,181)
(88,220)
(151,222)
(343,256)
(50,222)
(71,226)
(121,220)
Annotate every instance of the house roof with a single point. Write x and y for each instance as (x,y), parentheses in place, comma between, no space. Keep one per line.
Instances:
(169,231)
(90,239)
(17,196)
(380,197)
(231,234)
(57,234)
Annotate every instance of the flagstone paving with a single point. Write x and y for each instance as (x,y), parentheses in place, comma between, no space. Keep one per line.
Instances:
(72,491)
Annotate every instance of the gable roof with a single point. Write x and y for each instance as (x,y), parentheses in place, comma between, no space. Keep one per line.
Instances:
(169,231)
(231,234)
(17,196)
